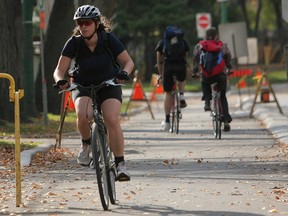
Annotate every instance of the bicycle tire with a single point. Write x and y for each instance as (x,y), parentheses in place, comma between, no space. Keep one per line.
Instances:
(173,117)
(173,114)
(214,124)
(218,118)
(176,97)
(214,118)
(111,176)
(100,157)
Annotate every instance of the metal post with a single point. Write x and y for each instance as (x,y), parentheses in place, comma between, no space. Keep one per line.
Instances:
(223,12)
(15,97)
(17,151)
(44,84)
(285,51)
(28,51)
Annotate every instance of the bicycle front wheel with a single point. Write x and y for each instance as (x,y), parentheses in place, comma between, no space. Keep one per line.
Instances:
(100,157)
(111,179)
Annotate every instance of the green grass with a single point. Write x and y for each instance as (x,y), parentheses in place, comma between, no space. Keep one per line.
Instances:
(37,128)
(23,145)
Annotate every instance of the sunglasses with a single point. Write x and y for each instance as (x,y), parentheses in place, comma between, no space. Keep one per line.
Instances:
(84,22)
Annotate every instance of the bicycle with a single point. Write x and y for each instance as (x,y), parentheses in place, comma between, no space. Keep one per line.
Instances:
(101,154)
(176,114)
(216,111)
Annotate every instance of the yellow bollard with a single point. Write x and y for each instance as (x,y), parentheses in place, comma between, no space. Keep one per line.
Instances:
(15,97)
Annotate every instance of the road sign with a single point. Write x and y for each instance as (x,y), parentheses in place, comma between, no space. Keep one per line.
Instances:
(203,22)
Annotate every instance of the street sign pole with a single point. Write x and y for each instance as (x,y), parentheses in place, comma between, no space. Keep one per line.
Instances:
(44,84)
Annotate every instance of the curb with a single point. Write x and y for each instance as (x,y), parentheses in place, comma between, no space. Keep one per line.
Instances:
(26,156)
(275,122)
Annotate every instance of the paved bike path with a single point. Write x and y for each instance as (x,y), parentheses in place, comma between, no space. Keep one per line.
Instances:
(186,174)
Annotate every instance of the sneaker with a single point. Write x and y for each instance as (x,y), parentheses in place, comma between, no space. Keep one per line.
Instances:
(183,103)
(226,127)
(207,106)
(122,174)
(165,125)
(83,157)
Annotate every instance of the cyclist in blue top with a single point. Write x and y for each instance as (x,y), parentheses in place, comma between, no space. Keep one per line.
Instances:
(168,67)
(95,64)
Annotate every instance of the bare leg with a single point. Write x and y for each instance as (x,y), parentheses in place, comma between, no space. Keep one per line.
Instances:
(111,113)
(84,112)
(168,102)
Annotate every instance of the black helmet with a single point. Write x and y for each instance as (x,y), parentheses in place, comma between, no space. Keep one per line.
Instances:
(87,12)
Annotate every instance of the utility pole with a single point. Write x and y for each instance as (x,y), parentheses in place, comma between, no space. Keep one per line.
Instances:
(44,83)
(223,11)
(28,51)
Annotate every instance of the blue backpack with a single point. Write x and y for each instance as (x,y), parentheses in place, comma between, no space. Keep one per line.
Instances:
(174,45)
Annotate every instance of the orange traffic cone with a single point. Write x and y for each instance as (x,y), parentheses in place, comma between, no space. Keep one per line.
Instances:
(159,89)
(138,93)
(242,84)
(70,105)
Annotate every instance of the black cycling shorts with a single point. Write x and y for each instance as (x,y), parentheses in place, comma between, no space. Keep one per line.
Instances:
(102,95)
(178,72)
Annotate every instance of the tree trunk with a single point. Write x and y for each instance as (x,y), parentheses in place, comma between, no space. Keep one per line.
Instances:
(259,8)
(11,53)
(59,29)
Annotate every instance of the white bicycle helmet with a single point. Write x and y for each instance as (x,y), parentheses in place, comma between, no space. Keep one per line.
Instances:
(87,12)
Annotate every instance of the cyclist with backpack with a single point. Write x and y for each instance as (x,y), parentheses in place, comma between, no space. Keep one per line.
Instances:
(95,63)
(171,53)
(211,56)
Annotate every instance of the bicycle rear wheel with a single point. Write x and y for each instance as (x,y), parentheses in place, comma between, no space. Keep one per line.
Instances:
(214,123)
(173,121)
(100,157)
(173,115)
(178,112)
(216,118)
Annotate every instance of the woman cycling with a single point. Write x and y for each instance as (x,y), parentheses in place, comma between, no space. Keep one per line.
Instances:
(95,64)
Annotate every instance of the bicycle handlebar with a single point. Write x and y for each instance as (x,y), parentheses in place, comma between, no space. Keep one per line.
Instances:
(73,86)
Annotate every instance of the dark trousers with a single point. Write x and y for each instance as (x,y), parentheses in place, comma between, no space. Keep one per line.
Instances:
(221,80)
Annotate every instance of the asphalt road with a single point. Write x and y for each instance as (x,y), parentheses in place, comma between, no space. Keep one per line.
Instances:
(191,173)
